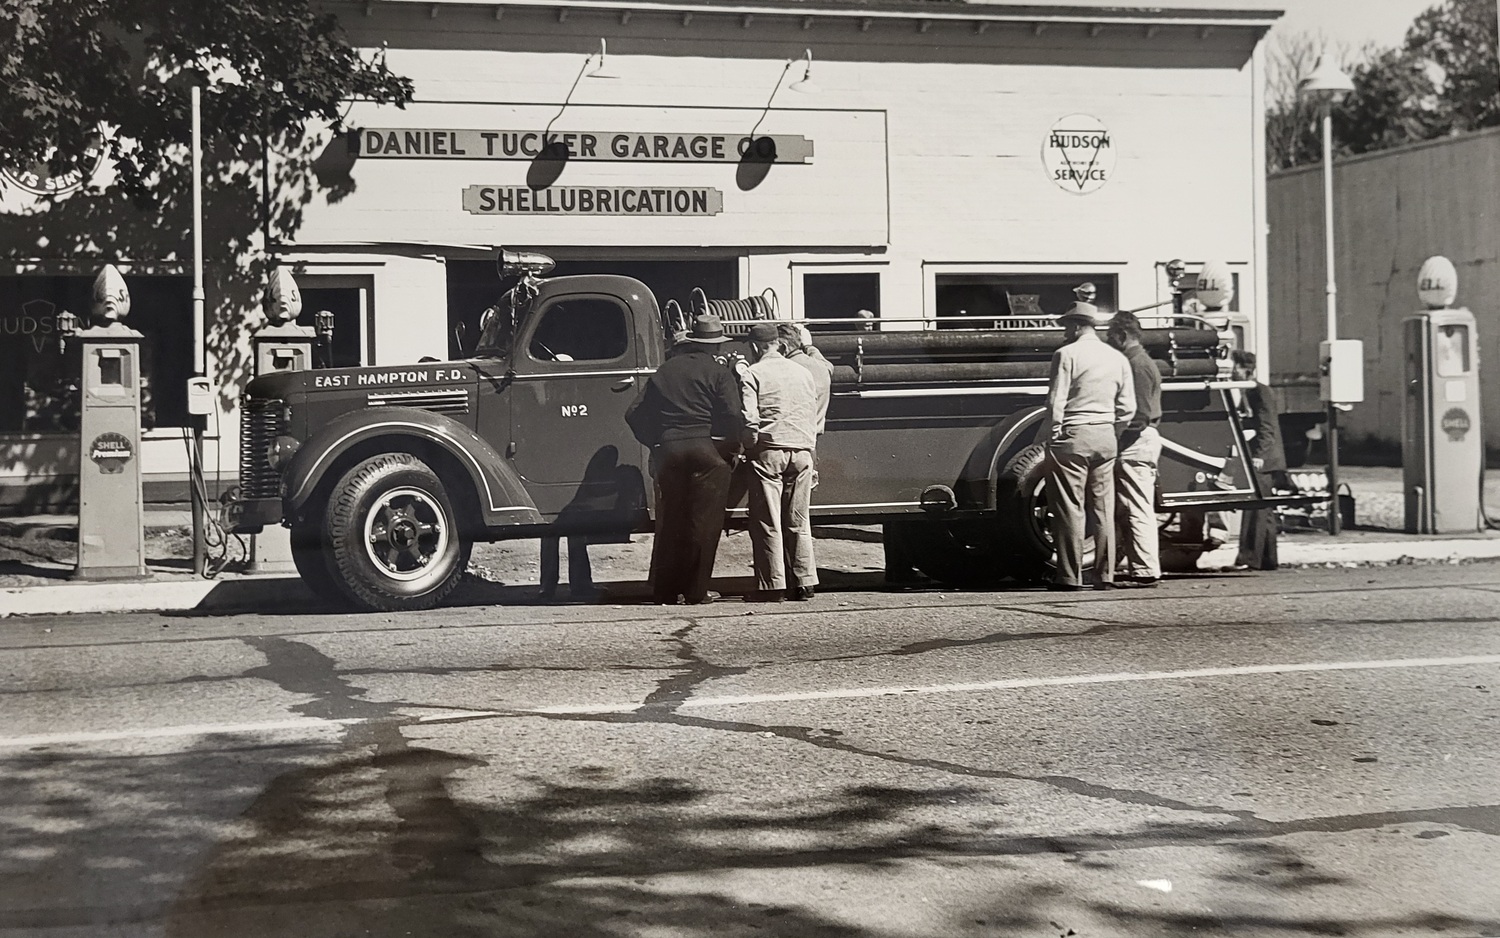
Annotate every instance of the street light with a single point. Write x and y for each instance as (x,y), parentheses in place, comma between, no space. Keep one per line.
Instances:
(1326,87)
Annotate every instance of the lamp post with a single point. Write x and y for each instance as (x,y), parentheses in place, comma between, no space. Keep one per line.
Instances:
(1326,87)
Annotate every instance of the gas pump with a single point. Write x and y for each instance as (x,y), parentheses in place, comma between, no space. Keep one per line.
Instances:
(280,345)
(1442,448)
(111,510)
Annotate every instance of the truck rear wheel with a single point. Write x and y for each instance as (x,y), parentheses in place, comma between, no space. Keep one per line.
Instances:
(314,561)
(395,538)
(1026,517)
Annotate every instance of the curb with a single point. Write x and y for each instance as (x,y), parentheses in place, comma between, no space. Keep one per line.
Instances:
(267,593)
(247,594)
(1371,552)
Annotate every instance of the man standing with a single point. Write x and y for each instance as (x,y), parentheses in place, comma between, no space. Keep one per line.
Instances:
(690,414)
(1260,411)
(1090,396)
(1140,450)
(781,429)
(797,346)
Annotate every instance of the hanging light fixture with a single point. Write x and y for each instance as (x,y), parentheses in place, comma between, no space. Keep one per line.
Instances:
(804,85)
(602,70)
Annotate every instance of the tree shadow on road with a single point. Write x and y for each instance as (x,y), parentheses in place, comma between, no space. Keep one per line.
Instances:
(385,837)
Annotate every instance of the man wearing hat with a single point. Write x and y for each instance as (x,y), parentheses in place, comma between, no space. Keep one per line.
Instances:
(1090,397)
(782,416)
(691,415)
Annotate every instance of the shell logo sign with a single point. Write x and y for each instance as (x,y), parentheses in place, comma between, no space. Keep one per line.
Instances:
(38,180)
(1079,154)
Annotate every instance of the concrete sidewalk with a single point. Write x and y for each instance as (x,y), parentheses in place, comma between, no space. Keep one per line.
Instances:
(34,572)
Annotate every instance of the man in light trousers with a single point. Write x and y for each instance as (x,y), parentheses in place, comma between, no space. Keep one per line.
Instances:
(1140,450)
(1090,397)
(781,416)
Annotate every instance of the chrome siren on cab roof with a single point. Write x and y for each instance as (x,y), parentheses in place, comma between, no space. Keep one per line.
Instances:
(524,263)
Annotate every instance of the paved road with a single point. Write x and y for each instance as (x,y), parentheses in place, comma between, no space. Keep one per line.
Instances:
(1290,754)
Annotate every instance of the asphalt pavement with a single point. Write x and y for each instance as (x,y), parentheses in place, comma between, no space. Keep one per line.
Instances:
(1305,753)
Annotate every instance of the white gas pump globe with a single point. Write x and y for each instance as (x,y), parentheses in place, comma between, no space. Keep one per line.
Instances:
(111,296)
(286,299)
(1215,286)
(1437,282)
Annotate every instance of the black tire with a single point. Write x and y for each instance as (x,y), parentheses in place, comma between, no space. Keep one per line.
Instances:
(314,561)
(960,554)
(396,542)
(1025,521)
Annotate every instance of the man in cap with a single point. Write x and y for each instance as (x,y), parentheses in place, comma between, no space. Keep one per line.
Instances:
(781,428)
(691,415)
(797,346)
(1090,397)
(1140,449)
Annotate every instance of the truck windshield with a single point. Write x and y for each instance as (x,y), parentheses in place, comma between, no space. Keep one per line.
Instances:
(497,329)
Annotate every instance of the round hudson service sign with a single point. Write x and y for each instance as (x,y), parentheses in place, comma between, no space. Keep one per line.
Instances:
(1079,154)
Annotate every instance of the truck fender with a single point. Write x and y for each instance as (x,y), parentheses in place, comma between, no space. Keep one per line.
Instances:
(498,492)
(1004,440)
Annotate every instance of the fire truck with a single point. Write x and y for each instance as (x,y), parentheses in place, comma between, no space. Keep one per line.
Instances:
(387,475)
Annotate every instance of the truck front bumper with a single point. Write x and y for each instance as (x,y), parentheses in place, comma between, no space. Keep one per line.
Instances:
(251,515)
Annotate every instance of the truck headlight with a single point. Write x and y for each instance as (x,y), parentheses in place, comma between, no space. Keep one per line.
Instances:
(281,451)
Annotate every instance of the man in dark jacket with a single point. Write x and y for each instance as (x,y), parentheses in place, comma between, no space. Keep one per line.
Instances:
(691,415)
(1138,546)
(1261,415)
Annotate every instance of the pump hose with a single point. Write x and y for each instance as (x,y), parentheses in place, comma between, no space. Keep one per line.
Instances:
(215,532)
(1490,523)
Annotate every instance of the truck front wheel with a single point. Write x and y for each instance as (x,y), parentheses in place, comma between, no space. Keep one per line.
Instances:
(395,537)
(314,561)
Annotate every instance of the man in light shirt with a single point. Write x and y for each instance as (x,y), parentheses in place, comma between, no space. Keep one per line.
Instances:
(782,415)
(1091,396)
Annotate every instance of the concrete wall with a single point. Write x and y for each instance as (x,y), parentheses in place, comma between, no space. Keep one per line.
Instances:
(1392,211)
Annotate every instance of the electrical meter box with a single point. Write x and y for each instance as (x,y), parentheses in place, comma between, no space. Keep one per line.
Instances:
(111,515)
(1442,446)
(1341,371)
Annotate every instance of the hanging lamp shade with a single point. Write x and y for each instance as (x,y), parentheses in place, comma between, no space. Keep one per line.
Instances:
(1327,81)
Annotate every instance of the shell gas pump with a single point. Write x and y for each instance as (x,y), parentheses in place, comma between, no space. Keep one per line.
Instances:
(111,510)
(280,345)
(1442,447)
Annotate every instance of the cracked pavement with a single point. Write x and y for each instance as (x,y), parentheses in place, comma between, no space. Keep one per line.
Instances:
(1302,753)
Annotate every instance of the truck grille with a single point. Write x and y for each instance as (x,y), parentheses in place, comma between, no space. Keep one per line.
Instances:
(261,421)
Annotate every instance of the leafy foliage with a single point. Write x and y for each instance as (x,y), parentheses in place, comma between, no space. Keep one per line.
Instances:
(267,68)
(1444,79)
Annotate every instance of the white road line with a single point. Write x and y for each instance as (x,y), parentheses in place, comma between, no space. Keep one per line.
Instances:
(315,723)
(1025,682)
(218,729)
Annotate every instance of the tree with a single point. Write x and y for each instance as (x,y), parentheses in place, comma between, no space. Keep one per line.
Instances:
(1457,39)
(267,68)
(1443,79)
